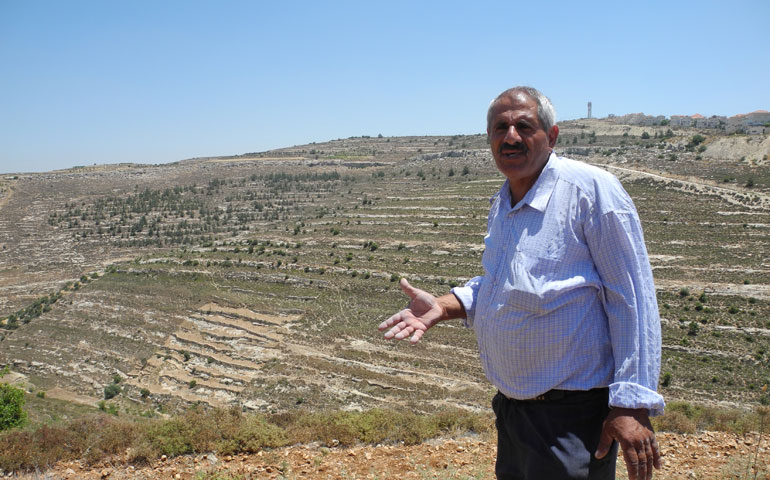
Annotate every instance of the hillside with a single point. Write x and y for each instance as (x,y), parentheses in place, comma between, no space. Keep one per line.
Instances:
(258,280)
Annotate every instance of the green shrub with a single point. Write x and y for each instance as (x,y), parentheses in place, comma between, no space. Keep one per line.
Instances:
(692,329)
(12,412)
(251,434)
(218,430)
(111,391)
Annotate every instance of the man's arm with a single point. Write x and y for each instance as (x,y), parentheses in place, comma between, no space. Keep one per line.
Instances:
(617,246)
(424,311)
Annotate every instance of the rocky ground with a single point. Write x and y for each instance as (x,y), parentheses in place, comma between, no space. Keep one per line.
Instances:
(707,455)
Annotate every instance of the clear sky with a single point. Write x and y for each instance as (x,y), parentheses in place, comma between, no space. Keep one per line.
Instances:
(156,81)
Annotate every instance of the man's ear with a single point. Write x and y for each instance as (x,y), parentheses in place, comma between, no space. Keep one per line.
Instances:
(553,134)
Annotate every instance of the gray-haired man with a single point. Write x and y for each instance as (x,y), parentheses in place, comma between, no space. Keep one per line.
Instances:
(565,313)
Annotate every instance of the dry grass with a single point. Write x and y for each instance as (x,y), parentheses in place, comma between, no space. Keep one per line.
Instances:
(682,417)
(95,438)
(224,431)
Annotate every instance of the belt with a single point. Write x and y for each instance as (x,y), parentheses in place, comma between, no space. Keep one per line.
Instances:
(550,396)
(556,395)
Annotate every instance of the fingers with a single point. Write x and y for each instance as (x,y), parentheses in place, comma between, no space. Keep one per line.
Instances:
(657,457)
(396,330)
(417,336)
(648,459)
(402,331)
(634,464)
(401,326)
(641,458)
(605,440)
(393,320)
(404,323)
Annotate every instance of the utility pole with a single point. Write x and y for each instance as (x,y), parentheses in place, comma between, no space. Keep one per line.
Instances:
(589,109)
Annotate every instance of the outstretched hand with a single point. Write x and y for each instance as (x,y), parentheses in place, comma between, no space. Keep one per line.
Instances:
(633,431)
(424,311)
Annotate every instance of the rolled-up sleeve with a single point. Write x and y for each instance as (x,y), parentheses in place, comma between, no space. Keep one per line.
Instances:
(617,246)
(467,295)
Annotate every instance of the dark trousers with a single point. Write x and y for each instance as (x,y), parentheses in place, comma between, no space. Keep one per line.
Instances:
(552,438)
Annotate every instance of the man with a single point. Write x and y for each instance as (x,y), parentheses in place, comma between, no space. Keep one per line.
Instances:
(565,313)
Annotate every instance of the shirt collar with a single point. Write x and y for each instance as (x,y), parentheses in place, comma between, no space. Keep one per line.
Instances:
(538,196)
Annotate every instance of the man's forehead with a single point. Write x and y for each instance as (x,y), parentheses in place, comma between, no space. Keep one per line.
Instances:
(517,102)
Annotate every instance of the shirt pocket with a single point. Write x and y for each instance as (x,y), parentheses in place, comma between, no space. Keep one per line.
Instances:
(555,260)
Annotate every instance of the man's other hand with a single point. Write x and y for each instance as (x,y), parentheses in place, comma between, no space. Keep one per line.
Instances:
(633,431)
(423,312)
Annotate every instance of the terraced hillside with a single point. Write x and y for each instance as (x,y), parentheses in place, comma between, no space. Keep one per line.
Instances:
(259,280)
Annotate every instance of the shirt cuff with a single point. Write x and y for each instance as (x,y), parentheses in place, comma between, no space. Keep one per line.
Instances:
(633,395)
(465,295)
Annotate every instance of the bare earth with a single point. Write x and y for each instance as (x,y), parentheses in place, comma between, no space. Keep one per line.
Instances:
(707,455)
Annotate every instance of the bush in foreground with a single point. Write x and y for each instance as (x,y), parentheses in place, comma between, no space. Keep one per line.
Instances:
(12,412)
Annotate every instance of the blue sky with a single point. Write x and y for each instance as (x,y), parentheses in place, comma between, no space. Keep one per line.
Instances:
(84,82)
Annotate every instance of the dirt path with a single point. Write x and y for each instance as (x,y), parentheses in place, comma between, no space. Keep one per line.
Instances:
(707,455)
(731,195)
(752,290)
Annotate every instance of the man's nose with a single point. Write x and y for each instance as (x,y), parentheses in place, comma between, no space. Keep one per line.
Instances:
(511,135)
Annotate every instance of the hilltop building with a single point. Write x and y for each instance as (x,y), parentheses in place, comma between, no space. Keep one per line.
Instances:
(637,119)
(698,121)
(754,123)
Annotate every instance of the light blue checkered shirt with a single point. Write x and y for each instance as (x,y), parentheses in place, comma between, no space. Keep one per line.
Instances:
(567,298)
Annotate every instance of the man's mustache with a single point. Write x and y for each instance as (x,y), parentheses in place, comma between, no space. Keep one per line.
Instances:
(515,147)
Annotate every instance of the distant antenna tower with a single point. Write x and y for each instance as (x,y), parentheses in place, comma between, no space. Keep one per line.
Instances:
(589,109)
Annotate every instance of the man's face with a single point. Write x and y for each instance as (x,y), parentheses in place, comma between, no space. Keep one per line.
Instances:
(519,144)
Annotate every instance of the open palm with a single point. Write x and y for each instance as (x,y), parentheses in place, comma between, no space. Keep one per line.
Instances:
(422,313)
